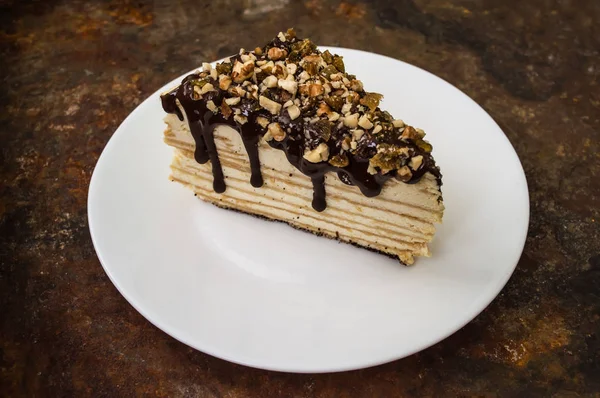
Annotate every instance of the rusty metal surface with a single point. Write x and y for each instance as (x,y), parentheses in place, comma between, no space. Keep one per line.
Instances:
(73,70)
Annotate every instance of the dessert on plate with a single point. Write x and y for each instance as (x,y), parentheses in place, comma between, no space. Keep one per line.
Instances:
(286,133)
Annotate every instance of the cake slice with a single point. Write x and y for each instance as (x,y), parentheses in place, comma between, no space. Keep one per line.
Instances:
(285,133)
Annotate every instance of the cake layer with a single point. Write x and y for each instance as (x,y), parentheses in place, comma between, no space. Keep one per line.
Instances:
(399,221)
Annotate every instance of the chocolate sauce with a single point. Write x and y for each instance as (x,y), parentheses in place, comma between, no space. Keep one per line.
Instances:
(202,123)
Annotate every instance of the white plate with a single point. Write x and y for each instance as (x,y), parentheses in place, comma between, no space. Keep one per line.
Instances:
(266,295)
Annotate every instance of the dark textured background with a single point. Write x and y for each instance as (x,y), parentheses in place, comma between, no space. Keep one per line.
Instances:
(73,70)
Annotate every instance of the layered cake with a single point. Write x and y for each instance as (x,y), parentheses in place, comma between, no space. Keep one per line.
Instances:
(285,133)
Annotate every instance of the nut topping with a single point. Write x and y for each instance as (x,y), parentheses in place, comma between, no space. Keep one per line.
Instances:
(276,132)
(351,120)
(416,162)
(269,105)
(276,53)
(327,107)
(293,111)
(319,154)
(262,121)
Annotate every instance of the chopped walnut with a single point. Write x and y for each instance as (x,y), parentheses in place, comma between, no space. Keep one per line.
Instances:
(262,121)
(357,134)
(346,143)
(241,119)
(243,71)
(293,111)
(224,82)
(276,53)
(351,120)
(289,86)
(276,132)
(416,162)
(411,134)
(270,82)
(226,110)
(319,154)
(269,105)
(365,123)
(207,88)
(315,90)
(211,106)
(232,100)
(404,174)
(237,91)
(346,109)
(292,68)
(398,123)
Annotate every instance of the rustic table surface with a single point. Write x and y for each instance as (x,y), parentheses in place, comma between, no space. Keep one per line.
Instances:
(73,70)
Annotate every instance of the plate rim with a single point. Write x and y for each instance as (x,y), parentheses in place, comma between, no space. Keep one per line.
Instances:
(471,313)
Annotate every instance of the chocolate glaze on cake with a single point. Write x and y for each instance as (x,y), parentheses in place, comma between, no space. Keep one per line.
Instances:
(320,138)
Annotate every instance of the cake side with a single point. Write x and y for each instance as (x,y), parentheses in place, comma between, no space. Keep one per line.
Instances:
(398,222)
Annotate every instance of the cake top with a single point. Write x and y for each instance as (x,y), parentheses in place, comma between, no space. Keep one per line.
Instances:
(303,101)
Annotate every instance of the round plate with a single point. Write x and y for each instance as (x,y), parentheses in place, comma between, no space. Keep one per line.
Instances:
(266,295)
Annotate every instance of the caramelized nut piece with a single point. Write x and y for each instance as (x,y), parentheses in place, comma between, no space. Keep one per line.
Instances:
(269,105)
(323,109)
(333,116)
(416,162)
(339,161)
(315,90)
(276,132)
(356,85)
(411,134)
(226,110)
(258,51)
(319,154)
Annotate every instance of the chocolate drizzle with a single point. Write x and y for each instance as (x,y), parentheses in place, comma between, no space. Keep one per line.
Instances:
(300,136)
